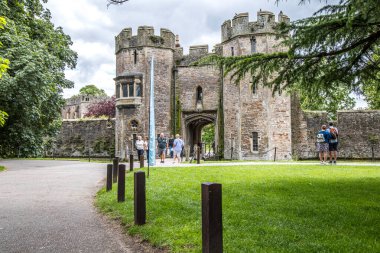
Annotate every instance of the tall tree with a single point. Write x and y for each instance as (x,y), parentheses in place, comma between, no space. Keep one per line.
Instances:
(30,91)
(91,89)
(332,48)
(4,65)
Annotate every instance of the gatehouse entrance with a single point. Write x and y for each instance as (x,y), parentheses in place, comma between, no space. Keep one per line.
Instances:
(194,122)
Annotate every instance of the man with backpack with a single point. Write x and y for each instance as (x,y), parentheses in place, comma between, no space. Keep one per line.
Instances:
(323,137)
(333,143)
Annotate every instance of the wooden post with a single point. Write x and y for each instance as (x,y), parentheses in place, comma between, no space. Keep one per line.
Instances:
(141,161)
(115,169)
(140,199)
(275,153)
(212,227)
(131,162)
(109,177)
(373,154)
(121,184)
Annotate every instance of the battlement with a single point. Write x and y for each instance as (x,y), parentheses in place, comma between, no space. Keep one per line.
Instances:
(240,24)
(145,37)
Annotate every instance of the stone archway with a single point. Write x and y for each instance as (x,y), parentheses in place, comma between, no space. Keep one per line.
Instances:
(194,122)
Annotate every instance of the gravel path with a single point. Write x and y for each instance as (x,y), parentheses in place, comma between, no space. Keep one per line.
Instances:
(47,206)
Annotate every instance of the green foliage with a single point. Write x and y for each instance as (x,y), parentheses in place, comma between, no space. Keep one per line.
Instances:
(3,117)
(266,208)
(331,99)
(92,90)
(208,133)
(2,168)
(333,48)
(30,91)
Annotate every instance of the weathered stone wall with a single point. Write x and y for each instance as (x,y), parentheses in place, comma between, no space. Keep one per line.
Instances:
(359,131)
(77,137)
(77,107)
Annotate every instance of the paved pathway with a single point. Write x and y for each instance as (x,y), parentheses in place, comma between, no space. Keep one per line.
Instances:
(47,206)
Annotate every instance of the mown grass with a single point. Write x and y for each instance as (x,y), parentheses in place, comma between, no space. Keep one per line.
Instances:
(2,168)
(266,208)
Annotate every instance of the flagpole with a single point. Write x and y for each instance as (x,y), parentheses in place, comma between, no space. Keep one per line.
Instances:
(152,130)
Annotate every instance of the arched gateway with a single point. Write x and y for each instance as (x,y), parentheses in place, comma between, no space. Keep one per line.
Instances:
(248,120)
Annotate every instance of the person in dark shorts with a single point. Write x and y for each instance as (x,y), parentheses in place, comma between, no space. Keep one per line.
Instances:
(162,145)
(171,141)
(333,143)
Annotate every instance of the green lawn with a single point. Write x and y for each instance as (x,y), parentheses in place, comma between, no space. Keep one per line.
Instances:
(2,168)
(266,208)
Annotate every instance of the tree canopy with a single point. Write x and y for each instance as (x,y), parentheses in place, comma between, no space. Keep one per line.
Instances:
(30,91)
(333,48)
(91,89)
(106,107)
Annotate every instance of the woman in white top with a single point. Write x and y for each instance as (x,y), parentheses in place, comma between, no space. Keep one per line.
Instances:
(139,146)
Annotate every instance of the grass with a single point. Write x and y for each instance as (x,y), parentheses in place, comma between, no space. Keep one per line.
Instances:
(266,208)
(2,168)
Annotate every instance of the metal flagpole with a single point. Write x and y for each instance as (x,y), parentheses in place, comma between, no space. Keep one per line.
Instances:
(152,130)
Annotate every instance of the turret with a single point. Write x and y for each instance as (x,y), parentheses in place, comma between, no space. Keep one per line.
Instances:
(240,24)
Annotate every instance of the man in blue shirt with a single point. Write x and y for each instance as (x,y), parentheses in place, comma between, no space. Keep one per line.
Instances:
(323,138)
(333,144)
(177,148)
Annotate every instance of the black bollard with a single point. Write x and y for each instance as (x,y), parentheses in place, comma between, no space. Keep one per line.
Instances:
(275,154)
(141,161)
(115,169)
(121,184)
(140,199)
(109,177)
(130,162)
(212,227)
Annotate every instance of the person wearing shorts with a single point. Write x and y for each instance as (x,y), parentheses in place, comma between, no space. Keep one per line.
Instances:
(333,144)
(323,138)
(162,145)
(177,148)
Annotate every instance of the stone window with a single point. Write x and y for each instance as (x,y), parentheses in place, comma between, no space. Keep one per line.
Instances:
(87,99)
(255,141)
(199,94)
(254,88)
(131,92)
(117,90)
(138,90)
(134,125)
(232,51)
(125,89)
(253,45)
(135,57)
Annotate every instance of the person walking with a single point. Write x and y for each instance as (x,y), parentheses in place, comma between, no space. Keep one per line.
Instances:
(139,146)
(146,147)
(333,143)
(171,141)
(323,138)
(162,144)
(178,145)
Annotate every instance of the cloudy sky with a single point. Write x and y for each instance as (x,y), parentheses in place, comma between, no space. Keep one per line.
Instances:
(92,27)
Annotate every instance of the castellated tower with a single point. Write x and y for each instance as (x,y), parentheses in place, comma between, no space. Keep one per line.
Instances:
(255,122)
(132,82)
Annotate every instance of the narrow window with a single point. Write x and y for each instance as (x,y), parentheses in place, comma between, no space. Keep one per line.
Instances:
(138,90)
(254,88)
(134,125)
(117,90)
(253,45)
(232,51)
(255,141)
(125,89)
(199,94)
(131,90)
(134,56)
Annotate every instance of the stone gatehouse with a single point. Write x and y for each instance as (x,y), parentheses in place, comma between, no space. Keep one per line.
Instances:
(249,120)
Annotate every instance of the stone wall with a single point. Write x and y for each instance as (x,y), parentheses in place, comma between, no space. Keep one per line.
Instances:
(359,131)
(77,137)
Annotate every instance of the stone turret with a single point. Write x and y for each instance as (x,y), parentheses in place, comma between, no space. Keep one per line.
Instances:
(145,38)
(240,25)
